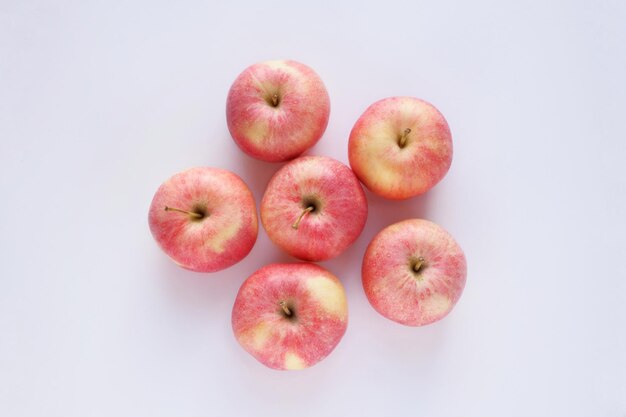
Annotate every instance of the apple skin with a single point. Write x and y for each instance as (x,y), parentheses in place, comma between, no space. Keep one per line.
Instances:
(340,208)
(399,293)
(223,237)
(319,315)
(397,171)
(280,132)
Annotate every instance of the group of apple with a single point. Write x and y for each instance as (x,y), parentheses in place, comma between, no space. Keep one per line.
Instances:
(291,316)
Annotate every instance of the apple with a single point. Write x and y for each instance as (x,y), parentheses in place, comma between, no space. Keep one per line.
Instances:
(290,316)
(314,208)
(204,219)
(276,110)
(400,147)
(413,272)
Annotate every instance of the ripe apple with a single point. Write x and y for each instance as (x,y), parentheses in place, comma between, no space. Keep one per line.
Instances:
(204,219)
(276,110)
(314,208)
(413,272)
(400,147)
(290,316)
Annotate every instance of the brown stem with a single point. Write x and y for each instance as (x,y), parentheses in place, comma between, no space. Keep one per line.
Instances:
(304,212)
(404,137)
(418,265)
(283,305)
(191,213)
(275,100)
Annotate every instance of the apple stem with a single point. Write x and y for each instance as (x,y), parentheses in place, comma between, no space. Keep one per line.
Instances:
(304,212)
(191,213)
(418,265)
(275,100)
(283,304)
(404,137)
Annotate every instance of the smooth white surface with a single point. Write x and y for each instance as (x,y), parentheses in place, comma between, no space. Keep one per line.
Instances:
(101,101)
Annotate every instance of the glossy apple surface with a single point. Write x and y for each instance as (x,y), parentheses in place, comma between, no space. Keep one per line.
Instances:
(276,110)
(314,208)
(204,219)
(290,316)
(414,272)
(400,147)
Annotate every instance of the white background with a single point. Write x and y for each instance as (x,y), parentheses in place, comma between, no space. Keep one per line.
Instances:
(101,101)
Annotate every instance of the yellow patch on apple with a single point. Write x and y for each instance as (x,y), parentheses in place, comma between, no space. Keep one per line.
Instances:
(293,362)
(329,294)
(218,241)
(259,335)
(258,131)
(435,305)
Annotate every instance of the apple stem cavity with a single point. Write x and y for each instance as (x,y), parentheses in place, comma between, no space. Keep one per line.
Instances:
(275,100)
(304,212)
(418,265)
(283,305)
(190,213)
(404,137)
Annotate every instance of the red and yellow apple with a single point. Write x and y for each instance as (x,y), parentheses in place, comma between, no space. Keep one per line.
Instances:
(400,147)
(276,110)
(204,219)
(314,208)
(413,272)
(290,316)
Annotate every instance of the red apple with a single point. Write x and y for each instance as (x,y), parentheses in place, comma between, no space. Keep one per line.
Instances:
(400,147)
(413,272)
(290,316)
(204,219)
(276,110)
(314,208)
